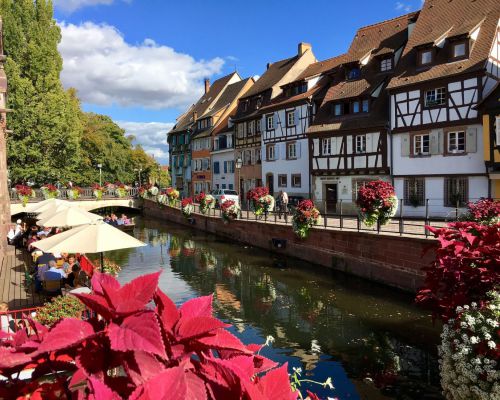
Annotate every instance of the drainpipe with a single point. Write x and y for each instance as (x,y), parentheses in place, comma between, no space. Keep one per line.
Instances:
(391,168)
(309,120)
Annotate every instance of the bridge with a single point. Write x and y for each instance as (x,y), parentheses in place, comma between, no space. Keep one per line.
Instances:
(86,200)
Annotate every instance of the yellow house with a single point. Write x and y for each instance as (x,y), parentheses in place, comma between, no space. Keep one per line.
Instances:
(490,108)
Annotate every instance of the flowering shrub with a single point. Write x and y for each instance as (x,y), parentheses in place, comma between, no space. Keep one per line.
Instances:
(111,267)
(50,191)
(261,201)
(206,202)
(58,308)
(229,210)
(467,266)
(162,198)
(187,206)
(153,190)
(24,193)
(144,191)
(484,211)
(470,352)
(377,202)
(172,195)
(159,352)
(304,217)
(121,190)
(74,193)
(97,191)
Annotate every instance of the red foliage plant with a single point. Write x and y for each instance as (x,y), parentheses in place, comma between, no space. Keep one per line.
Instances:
(373,193)
(24,190)
(50,187)
(256,193)
(96,186)
(484,210)
(467,266)
(137,350)
(199,197)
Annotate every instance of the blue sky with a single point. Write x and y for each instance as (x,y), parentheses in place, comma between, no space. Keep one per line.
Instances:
(142,62)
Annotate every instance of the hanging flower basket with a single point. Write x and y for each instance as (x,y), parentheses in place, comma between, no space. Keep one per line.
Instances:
(229,211)
(74,193)
(24,193)
(187,206)
(377,202)
(304,217)
(121,190)
(262,202)
(111,267)
(206,202)
(484,211)
(172,196)
(50,191)
(97,191)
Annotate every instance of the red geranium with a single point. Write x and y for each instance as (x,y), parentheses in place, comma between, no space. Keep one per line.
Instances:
(24,190)
(200,197)
(484,210)
(186,201)
(256,193)
(96,186)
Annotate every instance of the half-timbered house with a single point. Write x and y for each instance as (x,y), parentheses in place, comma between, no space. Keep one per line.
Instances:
(348,138)
(285,152)
(451,62)
(250,121)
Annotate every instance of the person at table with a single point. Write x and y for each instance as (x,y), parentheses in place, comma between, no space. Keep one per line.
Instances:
(45,232)
(125,219)
(68,265)
(114,220)
(32,239)
(54,273)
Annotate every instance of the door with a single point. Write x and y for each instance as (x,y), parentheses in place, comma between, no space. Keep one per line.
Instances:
(331,198)
(270,183)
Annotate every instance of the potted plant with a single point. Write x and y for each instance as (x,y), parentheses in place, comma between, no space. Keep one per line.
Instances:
(206,202)
(74,193)
(121,190)
(377,202)
(262,202)
(187,206)
(304,217)
(24,193)
(50,191)
(97,191)
(229,211)
(172,196)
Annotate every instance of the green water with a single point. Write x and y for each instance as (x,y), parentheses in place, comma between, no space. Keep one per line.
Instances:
(372,340)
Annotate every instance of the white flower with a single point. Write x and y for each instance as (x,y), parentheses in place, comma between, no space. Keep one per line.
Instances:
(492,344)
(474,339)
(328,383)
(298,370)
(269,340)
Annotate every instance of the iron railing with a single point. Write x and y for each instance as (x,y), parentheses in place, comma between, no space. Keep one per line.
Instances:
(87,194)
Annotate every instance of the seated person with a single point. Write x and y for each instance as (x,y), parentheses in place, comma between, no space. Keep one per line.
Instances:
(54,272)
(68,265)
(119,222)
(32,239)
(15,234)
(44,232)
(126,220)
(114,220)
(72,279)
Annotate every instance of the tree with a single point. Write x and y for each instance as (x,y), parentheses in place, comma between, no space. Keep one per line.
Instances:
(46,129)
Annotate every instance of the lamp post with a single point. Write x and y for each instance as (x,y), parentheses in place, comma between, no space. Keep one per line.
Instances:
(238,164)
(139,170)
(100,173)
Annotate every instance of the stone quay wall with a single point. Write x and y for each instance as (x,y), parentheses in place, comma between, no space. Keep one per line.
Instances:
(392,260)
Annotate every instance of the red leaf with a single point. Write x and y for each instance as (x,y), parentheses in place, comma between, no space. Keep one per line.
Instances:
(95,303)
(136,294)
(198,326)
(223,340)
(197,307)
(167,310)
(141,367)
(169,384)
(67,333)
(10,359)
(100,391)
(137,332)
(276,385)
(102,283)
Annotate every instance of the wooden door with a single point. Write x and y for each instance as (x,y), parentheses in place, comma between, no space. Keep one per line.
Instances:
(270,183)
(331,198)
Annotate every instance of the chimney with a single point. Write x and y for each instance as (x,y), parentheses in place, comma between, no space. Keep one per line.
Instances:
(207,85)
(195,116)
(268,65)
(303,47)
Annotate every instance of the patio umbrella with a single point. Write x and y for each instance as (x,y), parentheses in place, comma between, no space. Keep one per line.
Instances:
(52,210)
(93,238)
(70,216)
(44,205)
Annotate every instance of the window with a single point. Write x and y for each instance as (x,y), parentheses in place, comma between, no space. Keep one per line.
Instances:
(257,156)
(414,192)
(270,122)
(270,152)
(435,97)
(245,105)
(421,144)
(353,73)
(456,192)
(361,144)
(250,128)
(355,107)
(290,118)
(230,167)
(204,164)
(425,57)
(291,150)
(231,187)
(365,105)
(282,178)
(257,126)
(337,109)
(456,142)
(216,167)
(247,157)
(459,50)
(326,147)
(241,130)
(386,64)
(296,180)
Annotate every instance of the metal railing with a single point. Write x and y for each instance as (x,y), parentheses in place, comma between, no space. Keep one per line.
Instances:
(87,194)
(343,215)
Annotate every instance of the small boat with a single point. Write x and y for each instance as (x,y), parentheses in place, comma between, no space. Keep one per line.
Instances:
(126,228)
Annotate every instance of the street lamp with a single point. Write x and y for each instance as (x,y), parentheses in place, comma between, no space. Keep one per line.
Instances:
(100,174)
(238,165)
(139,170)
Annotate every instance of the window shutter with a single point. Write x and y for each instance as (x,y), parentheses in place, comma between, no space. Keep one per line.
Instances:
(275,120)
(434,141)
(471,140)
(297,149)
(263,153)
(225,167)
(296,117)
(405,145)
(368,147)
(216,167)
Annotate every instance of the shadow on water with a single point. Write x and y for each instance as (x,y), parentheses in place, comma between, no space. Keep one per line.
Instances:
(372,340)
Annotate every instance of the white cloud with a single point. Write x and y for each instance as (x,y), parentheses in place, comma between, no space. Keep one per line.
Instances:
(72,5)
(152,136)
(403,7)
(107,71)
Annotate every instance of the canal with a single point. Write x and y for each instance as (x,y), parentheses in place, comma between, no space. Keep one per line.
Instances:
(371,340)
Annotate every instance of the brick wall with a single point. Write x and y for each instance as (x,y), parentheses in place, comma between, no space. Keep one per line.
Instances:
(392,260)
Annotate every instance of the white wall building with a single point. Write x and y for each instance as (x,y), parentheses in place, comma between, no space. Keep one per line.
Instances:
(223,168)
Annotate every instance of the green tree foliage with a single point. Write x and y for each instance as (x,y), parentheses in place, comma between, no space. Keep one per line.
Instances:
(52,139)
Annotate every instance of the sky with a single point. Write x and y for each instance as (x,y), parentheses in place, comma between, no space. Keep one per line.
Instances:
(143,62)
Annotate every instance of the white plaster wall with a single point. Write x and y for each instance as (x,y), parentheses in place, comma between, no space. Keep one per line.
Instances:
(289,167)
(223,178)
(439,164)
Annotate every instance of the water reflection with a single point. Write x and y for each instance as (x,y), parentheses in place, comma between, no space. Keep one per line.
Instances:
(369,339)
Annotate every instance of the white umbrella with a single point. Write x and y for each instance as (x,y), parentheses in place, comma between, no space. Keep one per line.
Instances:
(94,238)
(44,205)
(71,216)
(52,210)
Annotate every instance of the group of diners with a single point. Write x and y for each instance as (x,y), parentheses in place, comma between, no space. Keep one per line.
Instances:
(113,220)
